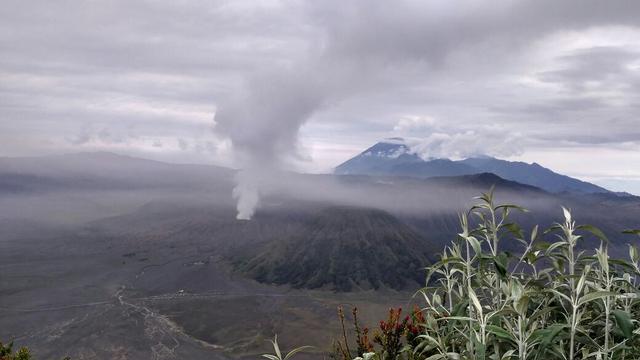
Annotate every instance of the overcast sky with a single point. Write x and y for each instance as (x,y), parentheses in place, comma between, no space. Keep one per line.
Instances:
(314,83)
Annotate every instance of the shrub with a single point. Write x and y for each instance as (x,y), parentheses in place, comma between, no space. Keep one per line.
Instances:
(277,353)
(6,353)
(551,300)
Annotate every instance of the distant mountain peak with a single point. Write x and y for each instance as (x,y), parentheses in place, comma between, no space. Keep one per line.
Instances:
(393,157)
(377,158)
(387,149)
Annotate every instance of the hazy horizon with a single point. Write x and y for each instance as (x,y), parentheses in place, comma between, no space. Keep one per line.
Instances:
(305,86)
(609,185)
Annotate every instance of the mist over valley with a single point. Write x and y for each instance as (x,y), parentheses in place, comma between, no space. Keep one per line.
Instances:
(104,243)
(306,180)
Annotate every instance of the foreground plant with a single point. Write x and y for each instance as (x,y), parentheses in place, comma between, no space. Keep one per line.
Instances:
(277,354)
(6,352)
(544,300)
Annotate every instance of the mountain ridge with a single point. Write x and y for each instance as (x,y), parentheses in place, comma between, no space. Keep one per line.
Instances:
(381,159)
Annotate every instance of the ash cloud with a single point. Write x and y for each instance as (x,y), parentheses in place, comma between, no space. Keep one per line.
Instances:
(369,48)
(262,120)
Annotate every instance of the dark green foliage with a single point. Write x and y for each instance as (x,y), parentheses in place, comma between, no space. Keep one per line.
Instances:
(549,300)
(6,353)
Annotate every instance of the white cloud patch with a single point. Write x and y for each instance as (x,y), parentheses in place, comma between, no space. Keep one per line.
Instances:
(430,138)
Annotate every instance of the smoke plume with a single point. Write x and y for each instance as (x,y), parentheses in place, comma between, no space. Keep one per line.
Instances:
(262,120)
(368,46)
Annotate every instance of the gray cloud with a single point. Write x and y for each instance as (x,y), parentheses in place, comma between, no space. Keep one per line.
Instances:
(183,144)
(598,77)
(124,75)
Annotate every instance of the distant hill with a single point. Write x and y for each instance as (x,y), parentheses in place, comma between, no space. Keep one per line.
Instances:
(343,249)
(532,174)
(394,158)
(100,171)
(485,180)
